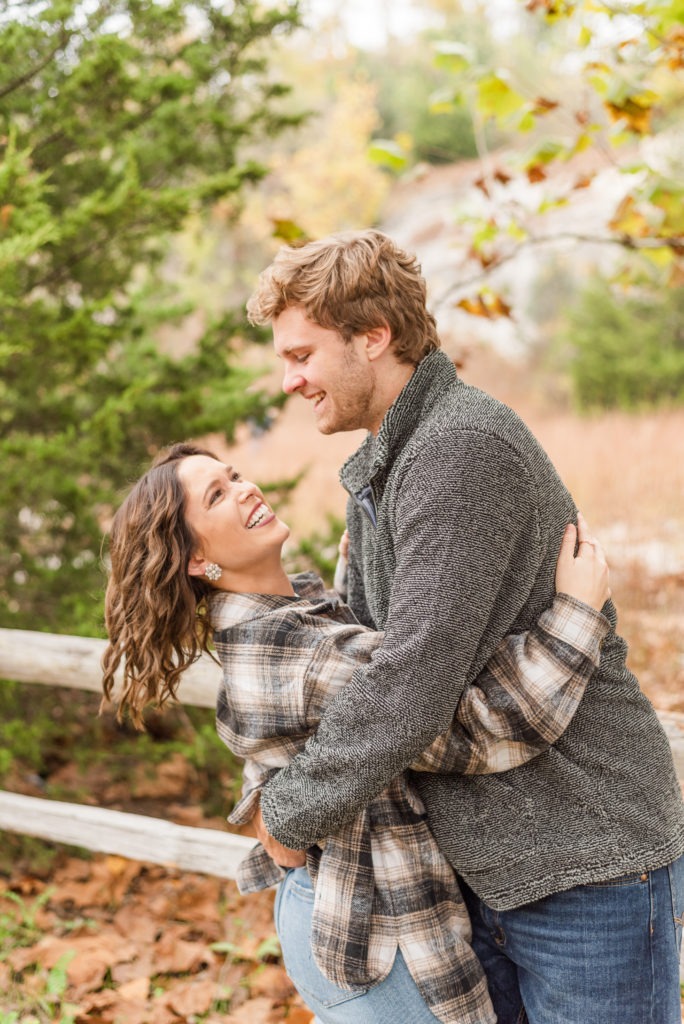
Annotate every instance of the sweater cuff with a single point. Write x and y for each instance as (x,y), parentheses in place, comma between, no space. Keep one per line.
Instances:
(275,825)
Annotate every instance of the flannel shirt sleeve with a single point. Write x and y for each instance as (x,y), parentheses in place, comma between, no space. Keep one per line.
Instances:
(254,776)
(257,870)
(526,695)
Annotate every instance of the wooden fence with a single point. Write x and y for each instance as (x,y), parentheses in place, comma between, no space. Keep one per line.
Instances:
(75,662)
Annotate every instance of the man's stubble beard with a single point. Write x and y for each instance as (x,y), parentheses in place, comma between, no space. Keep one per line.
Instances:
(353,405)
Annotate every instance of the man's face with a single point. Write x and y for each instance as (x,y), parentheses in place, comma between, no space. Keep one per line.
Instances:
(335,376)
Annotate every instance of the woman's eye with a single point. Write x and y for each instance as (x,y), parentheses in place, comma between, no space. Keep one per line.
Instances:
(235,476)
(214,496)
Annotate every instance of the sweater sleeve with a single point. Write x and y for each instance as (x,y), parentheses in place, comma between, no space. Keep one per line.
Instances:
(526,695)
(467,541)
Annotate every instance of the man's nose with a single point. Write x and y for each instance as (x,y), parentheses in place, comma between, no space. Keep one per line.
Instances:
(292,380)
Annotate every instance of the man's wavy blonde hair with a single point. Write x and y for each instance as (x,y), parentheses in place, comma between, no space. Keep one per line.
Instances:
(351,282)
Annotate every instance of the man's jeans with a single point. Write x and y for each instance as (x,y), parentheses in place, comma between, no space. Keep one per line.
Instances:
(597,954)
(396,1000)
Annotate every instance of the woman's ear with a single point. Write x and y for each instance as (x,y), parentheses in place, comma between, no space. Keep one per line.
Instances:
(196,566)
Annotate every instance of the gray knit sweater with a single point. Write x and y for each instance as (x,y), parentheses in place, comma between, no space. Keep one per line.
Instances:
(455,520)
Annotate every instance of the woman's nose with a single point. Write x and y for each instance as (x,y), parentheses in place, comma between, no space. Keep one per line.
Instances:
(248,490)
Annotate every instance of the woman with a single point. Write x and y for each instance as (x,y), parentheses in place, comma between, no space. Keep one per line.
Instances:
(195,549)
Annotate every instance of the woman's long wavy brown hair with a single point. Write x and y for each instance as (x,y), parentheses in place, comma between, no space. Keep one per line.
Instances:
(155,613)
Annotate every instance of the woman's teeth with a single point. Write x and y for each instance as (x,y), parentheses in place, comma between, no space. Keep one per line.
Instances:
(256,516)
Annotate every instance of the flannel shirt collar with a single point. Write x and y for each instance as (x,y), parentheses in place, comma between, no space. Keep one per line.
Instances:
(227,609)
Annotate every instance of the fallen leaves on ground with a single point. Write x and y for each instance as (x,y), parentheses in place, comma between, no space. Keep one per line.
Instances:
(141,944)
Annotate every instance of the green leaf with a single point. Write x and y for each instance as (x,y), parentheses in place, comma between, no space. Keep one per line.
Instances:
(57,980)
(545,152)
(288,231)
(496,99)
(269,948)
(585,37)
(387,153)
(453,56)
(443,101)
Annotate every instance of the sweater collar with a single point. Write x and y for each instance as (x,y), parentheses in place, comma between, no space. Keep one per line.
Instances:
(433,375)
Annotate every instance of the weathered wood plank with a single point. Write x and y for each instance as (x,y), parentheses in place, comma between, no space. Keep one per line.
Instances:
(54,660)
(134,836)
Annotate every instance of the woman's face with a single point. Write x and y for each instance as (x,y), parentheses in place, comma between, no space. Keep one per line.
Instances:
(234,525)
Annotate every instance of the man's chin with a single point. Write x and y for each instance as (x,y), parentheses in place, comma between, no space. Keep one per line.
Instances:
(324,425)
(329,425)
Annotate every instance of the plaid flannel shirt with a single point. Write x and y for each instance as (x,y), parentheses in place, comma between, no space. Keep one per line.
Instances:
(381,881)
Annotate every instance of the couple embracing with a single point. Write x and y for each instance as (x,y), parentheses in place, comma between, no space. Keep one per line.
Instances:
(468,804)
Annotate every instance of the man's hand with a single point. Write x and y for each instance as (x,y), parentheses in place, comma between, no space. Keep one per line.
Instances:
(282,855)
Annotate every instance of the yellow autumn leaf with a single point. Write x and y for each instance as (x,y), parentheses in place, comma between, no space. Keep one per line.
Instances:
(629,220)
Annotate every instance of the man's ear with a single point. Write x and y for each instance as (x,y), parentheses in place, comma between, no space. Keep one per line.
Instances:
(378,340)
(196,566)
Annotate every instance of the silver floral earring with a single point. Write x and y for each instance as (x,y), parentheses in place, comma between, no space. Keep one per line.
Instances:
(213,571)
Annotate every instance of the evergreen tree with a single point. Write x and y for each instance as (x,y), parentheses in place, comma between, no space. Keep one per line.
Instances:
(118,119)
(626,351)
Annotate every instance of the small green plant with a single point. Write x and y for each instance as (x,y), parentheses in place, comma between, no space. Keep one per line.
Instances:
(269,949)
(46,1003)
(55,987)
(21,928)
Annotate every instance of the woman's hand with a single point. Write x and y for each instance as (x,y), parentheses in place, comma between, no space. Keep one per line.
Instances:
(586,575)
(343,546)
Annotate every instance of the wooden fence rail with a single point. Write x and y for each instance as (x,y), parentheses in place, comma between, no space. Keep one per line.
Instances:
(74,661)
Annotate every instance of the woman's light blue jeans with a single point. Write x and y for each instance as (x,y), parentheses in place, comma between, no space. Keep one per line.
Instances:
(396,1000)
(597,954)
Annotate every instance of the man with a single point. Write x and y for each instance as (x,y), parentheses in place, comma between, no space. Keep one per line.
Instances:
(572,864)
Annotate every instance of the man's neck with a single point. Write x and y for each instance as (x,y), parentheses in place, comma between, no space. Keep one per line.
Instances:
(393,378)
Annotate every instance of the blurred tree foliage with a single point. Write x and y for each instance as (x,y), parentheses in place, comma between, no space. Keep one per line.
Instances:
(406,78)
(118,120)
(626,351)
(321,180)
(576,88)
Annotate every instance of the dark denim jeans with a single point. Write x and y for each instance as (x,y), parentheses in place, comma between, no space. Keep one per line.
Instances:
(606,953)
